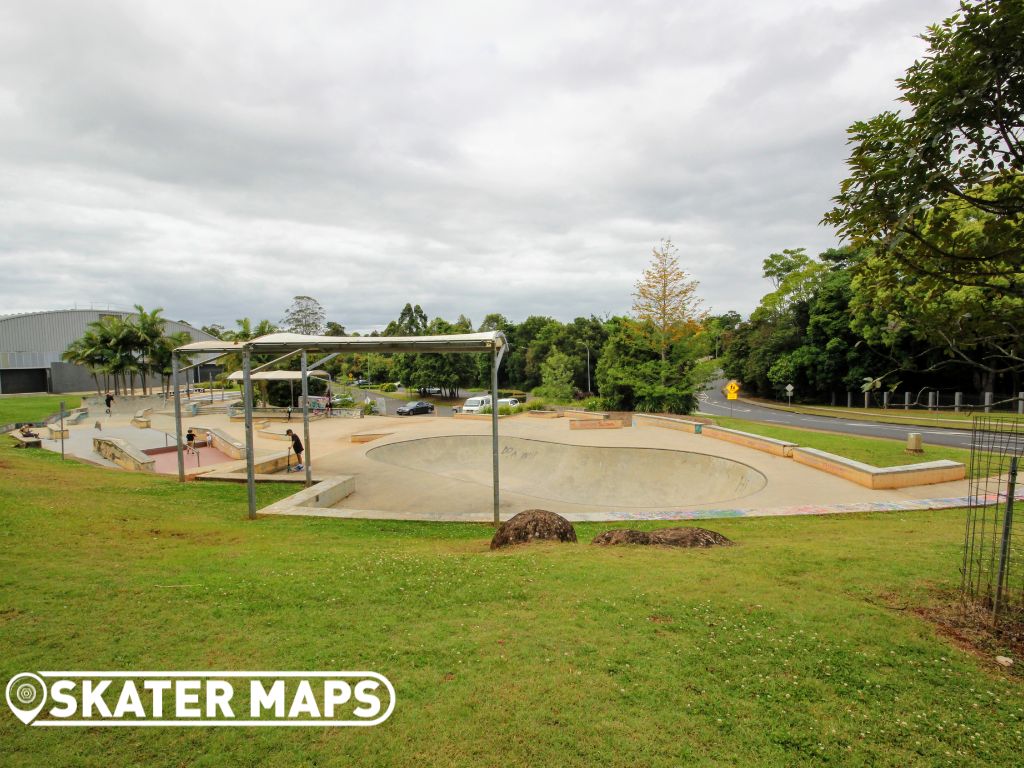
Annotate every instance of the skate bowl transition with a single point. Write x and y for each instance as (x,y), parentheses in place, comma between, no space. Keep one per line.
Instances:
(580,474)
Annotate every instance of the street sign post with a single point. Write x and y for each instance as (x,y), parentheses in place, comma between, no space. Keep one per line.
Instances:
(789,393)
(732,391)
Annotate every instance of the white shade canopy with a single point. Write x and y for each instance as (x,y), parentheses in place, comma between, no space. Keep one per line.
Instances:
(276,375)
(281,343)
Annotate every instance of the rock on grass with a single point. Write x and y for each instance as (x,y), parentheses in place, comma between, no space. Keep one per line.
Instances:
(666,537)
(533,525)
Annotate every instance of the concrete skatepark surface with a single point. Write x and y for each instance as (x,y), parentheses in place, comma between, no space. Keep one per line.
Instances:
(580,474)
(451,480)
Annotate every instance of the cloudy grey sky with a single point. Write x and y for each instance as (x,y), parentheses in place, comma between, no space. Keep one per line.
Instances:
(217,159)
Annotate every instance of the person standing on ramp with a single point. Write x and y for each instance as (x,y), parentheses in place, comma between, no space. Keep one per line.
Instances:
(297,447)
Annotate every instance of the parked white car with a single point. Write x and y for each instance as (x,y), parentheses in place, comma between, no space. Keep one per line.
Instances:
(511,402)
(475,404)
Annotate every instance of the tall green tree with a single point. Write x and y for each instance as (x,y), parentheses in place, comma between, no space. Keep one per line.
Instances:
(957,154)
(556,377)
(633,376)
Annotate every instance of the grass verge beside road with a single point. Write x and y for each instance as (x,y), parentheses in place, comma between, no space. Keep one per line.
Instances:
(946,418)
(880,452)
(794,647)
(16,408)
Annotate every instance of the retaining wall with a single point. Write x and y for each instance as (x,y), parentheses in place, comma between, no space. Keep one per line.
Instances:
(881,478)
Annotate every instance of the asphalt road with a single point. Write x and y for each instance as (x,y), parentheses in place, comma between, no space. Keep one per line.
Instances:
(714,403)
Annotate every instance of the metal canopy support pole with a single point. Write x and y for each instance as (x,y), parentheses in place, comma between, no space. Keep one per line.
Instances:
(305,417)
(250,460)
(175,373)
(494,430)
(323,360)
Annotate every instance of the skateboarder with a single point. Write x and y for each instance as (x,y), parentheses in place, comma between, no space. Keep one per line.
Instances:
(297,447)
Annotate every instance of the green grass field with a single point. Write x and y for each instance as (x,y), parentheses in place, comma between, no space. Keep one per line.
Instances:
(878,451)
(34,407)
(798,646)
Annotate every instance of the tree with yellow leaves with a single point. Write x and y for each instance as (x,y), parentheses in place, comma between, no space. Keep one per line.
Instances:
(665,301)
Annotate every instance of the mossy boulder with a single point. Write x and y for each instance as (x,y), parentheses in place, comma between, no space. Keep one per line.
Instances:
(533,525)
(665,537)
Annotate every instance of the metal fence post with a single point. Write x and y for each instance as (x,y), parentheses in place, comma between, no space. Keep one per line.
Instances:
(1004,545)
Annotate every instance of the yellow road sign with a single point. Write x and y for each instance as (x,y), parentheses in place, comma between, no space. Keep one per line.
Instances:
(732,387)
(731,396)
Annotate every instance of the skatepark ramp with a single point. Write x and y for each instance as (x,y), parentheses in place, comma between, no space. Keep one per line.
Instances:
(580,474)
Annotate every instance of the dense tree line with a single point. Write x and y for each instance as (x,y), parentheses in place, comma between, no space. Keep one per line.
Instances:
(930,290)
(828,330)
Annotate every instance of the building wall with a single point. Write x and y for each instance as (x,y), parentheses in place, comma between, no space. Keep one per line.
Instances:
(36,340)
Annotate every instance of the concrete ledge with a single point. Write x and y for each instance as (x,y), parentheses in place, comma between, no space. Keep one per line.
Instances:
(26,442)
(545,414)
(273,434)
(77,416)
(223,442)
(242,477)
(324,494)
(477,416)
(348,413)
(757,442)
(578,413)
(881,478)
(595,424)
(667,422)
(367,437)
(141,418)
(264,465)
(124,455)
(56,433)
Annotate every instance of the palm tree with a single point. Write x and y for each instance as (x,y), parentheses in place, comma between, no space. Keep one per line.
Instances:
(150,331)
(162,355)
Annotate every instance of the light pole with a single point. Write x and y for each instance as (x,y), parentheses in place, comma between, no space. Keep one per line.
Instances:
(588,364)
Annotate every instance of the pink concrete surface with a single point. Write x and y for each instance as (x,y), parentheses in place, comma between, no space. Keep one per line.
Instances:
(166,462)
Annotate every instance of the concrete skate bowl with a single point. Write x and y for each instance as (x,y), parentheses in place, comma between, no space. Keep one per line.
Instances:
(580,474)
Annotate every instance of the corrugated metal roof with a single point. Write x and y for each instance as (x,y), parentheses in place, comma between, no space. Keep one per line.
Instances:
(45,335)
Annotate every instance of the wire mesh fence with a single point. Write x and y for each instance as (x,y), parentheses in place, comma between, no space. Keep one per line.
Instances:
(993,564)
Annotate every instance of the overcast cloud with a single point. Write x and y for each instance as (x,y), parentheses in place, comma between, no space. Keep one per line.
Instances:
(217,159)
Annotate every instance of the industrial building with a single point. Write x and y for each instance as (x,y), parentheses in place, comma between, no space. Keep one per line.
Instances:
(31,345)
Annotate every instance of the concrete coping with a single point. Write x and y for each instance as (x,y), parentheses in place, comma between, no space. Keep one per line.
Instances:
(873,470)
(759,438)
(673,420)
(587,414)
(323,494)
